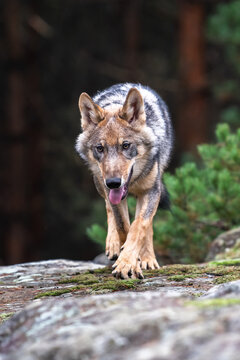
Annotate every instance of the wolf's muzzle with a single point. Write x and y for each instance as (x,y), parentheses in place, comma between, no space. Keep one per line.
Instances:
(113,183)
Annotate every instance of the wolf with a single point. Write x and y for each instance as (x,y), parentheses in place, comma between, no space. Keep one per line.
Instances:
(126,141)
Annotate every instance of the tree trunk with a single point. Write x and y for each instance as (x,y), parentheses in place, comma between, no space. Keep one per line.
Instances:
(131,11)
(35,116)
(23,138)
(192,122)
(16,232)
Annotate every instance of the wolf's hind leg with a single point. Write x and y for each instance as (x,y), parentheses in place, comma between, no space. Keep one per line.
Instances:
(118,226)
(147,255)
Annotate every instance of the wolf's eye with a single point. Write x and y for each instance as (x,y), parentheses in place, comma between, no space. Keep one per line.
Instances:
(100,148)
(125,145)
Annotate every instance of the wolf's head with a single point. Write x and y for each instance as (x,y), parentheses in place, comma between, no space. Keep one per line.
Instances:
(113,141)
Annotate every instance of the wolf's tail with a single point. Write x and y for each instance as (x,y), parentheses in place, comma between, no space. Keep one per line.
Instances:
(164,202)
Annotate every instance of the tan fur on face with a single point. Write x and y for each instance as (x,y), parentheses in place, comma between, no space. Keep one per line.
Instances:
(117,167)
(112,132)
(111,128)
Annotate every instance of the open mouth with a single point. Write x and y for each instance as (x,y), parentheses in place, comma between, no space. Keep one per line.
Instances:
(117,195)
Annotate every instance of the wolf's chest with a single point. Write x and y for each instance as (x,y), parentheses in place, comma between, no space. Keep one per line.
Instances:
(145,182)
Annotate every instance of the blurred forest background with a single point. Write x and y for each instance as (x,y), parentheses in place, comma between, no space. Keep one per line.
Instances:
(50,52)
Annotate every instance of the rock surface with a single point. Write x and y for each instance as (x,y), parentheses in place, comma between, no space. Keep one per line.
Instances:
(226,245)
(19,284)
(176,312)
(102,259)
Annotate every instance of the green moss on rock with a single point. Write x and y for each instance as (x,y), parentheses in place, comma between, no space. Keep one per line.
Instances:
(59,292)
(226,278)
(92,281)
(182,277)
(106,270)
(101,280)
(5,316)
(214,302)
(116,285)
(226,262)
(84,279)
(177,277)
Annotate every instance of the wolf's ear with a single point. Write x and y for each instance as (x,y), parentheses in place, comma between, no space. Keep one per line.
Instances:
(133,108)
(91,113)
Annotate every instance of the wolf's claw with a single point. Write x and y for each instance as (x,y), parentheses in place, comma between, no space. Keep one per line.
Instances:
(130,273)
(114,257)
(122,275)
(113,248)
(125,269)
(118,275)
(150,263)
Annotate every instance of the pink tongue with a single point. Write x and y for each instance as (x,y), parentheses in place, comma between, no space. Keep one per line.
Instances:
(115,195)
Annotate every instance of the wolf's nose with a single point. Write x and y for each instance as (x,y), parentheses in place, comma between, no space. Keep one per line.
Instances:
(113,183)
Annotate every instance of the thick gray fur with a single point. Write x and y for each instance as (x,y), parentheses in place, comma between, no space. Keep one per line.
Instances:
(159,126)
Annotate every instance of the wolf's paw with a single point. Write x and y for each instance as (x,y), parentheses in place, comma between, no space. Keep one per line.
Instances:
(149,263)
(124,269)
(113,249)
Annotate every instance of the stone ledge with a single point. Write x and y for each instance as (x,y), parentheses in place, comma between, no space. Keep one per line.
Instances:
(176,312)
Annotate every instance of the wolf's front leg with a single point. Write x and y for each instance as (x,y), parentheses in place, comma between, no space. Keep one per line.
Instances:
(118,226)
(147,255)
(128,263)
